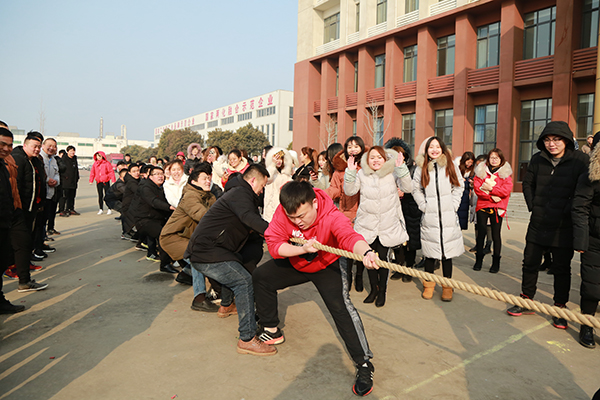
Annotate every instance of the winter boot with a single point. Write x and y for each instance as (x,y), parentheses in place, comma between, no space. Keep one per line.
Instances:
(488,248)
(478,261)
(428,287)
(407,278)
(447,293)
(495,264)
(380,302)
(372,296)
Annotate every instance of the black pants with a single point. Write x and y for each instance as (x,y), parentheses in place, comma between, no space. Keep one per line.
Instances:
(446,266)
(21,239)
(496,224)
(102,188)
(152,230)
(6,257)
(403,255)
(67,201)
(39,230)
(561,267)
(378,278)
(50,213)
(332,284)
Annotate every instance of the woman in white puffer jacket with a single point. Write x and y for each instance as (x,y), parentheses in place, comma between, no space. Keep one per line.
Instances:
(280,164)
(379,217)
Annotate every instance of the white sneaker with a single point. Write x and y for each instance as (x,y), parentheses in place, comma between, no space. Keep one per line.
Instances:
(109,212)
(99,212)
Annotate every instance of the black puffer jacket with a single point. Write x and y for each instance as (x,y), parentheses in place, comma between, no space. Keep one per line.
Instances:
(131,187)
(586,227)
(149,204)
(69,171)
(225,228)
(31,180)
(549,190)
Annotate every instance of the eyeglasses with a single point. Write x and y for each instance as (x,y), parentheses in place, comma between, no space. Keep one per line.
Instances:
(159,174)
(555,140)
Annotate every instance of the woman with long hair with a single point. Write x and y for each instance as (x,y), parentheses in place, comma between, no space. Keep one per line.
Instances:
(307,161)
(437,189)
(467,167)
(492,184)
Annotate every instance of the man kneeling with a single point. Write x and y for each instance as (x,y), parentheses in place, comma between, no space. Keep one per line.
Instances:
(309,213)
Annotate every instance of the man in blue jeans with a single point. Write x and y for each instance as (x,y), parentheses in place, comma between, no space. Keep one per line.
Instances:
(218,250)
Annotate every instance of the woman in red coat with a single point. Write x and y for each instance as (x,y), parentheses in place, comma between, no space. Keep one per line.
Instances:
(492,185)
(103,173)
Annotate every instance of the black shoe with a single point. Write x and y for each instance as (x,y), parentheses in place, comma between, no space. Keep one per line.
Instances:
(586,337)
(48,239)
(517,311)
(271,337)
(396,276)
(488,248)
(48,249)
(478,262)
(35,257)
(371,297)
(495,265)
(364,379)
(473,249)
(358,283)
(73,212)
(125,236)
(140,247)
(153,257)
(168,268)
(52,232)
(118,218)
(205,306)
(559,323)
(406,278)
(380,302)
(184,278)
(7,308)
(64,214)
(31,286)
(39,254)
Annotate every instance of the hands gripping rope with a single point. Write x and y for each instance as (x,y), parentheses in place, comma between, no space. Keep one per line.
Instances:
(536,306)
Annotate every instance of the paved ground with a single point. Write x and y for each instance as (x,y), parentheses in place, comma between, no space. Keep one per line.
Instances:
(111,326)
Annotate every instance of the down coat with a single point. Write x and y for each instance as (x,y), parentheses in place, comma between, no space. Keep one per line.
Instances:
(441,236)
(176,234)
(586,227)
(102,170)
(549,190)
(502,187)
(348,205)
(379,213)
(276,180)
(192,161)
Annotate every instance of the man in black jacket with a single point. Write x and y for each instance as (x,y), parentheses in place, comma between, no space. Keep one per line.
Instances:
(548,187)
(69,177)
(215,246)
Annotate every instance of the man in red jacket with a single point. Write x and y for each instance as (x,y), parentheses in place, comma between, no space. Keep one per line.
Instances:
(310,214)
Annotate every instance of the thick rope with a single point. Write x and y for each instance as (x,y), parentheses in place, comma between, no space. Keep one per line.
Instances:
(536,306)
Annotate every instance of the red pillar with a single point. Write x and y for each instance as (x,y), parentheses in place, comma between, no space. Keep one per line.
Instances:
(366,81)
(393,117)
(307,89)
(426,66)
(563,54)
(346,86)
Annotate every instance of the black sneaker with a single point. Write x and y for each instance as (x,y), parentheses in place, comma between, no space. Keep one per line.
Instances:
(153,257)
(184,278)
(271,337)
(31,286)
(205,306)
(559,323)
(125,236)
(73,212)
(364,379)
(53,232)
(48,249)
(517,311)
(7,308)
(140,247)
(38,257)
(396,276)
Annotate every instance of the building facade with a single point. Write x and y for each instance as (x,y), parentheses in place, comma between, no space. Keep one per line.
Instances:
(478,73)
(271,113)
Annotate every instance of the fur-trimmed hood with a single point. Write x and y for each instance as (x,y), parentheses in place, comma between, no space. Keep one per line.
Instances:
(288,162)
(386,169)
(442,161)
(194,146)
(594,166)
(504,172)
(394,142)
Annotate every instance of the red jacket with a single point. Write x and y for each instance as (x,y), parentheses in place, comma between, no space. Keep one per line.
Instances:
(102,170)
(330,228)
(502,188)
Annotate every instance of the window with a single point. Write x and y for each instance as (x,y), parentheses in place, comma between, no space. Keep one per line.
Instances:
(410,6)
(535,115)
(245,116)
(228,120)
(332,28)
(291,122)
(353,127)
(355,76)
(85,144)
(443,125)
(445,55)
(357,23)
(337,80)
(486,123)
(109,145)
(539,33)
(378,131)
(265,111)
(381,11)
(273,132)
(589,22)
(267,132)
(380,71)
(410,63)
(585,117)
(212,124)
(408,130)
(62,143)
(488,45)
(198,127)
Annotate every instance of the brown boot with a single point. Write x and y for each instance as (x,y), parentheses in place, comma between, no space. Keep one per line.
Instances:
(225,312)
(428,287)
(256,348)
(447,293)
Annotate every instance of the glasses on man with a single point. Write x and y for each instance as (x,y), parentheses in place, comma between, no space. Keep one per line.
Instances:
(158,174)
(553,140)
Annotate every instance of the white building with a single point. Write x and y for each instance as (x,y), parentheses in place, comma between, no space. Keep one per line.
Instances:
(85,147)
(272,113)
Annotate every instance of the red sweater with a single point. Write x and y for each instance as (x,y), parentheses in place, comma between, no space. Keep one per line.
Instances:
(331,228)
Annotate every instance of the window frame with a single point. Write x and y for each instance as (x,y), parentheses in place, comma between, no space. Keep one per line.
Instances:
(447,48)
(379,70)
(443,129)
(485,144)
(534,29)
(533,136)
(486,39)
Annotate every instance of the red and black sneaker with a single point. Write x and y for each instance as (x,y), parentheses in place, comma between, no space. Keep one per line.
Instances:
(271,337)
(10,273)
(364,379)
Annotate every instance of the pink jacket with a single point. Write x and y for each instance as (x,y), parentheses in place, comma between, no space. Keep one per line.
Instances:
(330,228)
(102,170)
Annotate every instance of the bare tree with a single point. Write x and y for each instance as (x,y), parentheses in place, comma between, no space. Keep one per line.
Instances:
(373,124)
(42,117)
(331,129)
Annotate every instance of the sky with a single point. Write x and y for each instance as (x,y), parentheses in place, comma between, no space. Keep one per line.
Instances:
(142,64)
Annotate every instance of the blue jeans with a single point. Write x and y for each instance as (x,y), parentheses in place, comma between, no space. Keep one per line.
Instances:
(198,281)
(233,275)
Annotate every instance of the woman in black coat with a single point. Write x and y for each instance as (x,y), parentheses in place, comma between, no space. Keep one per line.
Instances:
(586,240)
(412,215)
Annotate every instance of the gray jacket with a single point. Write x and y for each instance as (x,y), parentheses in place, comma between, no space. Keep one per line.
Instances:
(51,168)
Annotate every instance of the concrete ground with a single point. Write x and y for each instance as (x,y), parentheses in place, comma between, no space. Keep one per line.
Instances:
(111,326)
